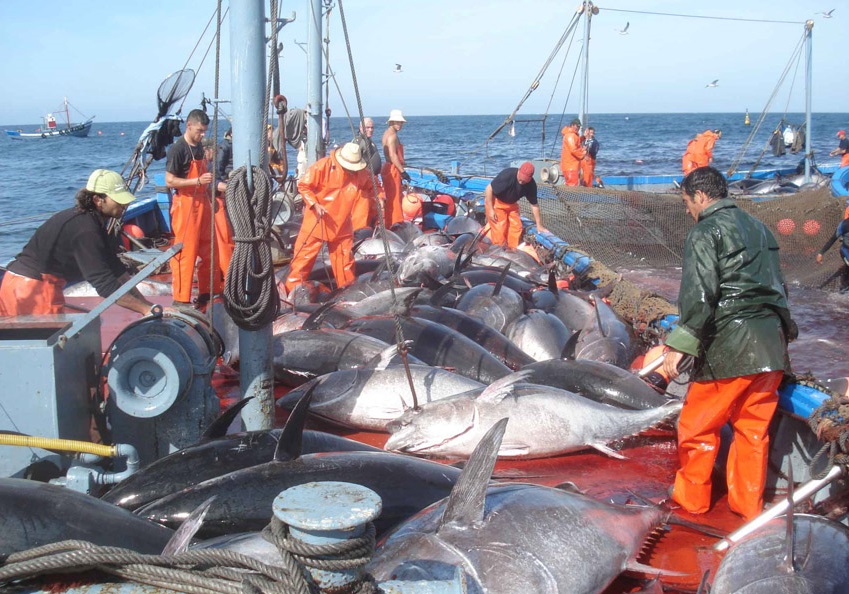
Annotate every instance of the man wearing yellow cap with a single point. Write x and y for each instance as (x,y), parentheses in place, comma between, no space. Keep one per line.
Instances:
(72,246)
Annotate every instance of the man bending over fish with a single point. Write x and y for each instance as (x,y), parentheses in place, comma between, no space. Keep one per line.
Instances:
(734,319)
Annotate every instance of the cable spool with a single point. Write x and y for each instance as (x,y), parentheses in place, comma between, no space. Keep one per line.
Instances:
(158,373)
(550,174)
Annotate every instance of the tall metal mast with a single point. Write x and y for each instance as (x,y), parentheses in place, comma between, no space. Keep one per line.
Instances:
(247,79)
(315,109)
(589,10)
(809,47)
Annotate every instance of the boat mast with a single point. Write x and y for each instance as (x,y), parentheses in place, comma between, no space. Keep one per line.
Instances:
(315,150)
(589,10)
(67,113)
(809,26)
(247,79)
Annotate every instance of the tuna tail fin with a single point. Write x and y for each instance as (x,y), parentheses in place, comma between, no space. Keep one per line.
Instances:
(179,542)
(218,427)
(458,262)
(291,438)
(500,389)
(467,499)
(500,282)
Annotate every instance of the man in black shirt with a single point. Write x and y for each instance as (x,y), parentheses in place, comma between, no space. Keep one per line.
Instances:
(191,211)
(72,246)
(501,200)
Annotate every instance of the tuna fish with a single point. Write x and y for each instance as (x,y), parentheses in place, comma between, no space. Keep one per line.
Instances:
(301,355)
(544,422)
(597,381)
(540,335)
(470,327)
(815,559)
(496,305)
(428,262)
(518,538)
(370,398)
(35,514)
(436,345)
(605,338)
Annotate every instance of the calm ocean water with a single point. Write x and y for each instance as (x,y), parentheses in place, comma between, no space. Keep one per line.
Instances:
(39,177)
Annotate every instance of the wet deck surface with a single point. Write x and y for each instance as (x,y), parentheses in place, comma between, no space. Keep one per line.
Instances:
(646,474)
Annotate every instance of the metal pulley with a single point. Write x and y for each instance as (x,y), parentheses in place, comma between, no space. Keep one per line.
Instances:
(159,375)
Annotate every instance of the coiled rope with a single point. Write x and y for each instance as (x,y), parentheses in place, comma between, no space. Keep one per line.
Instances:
(830,423)
(250,291)
(206,570)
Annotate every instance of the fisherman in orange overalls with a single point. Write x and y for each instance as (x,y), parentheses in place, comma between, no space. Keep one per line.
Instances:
(330,189)
(688,161)
(703,149)
(501,200)
(571,153)
(393,169)
(191,210)
(72,246)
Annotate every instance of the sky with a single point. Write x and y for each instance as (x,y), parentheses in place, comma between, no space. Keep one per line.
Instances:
(458,57)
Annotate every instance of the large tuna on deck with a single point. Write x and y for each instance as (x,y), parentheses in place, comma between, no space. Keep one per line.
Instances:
(544,422)
(34,514)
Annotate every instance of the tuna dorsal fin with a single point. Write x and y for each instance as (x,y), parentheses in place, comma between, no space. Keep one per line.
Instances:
(552,283)
(179,542)
(500,389)
(218,427)
(313,322)
(500,282)
(598,320)
(430,282)
(289,444)
(465,505)
(703,587)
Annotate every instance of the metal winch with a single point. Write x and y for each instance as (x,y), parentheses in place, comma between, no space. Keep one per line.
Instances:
(159,373)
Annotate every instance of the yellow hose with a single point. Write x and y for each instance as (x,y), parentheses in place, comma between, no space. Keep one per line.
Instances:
(65,445)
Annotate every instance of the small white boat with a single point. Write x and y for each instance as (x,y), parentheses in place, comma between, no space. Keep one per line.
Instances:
(50,127)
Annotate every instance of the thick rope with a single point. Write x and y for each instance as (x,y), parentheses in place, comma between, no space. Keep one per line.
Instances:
(250,292)
(830,423)
(194,572)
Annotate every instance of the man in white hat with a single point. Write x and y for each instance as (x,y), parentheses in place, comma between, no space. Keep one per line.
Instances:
(330,189)
(72,246)
(393,169)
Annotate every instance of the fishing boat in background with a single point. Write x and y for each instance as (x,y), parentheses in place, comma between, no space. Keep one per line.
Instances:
(51,127)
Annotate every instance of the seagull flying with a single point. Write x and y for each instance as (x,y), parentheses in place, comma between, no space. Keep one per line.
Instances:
(827,15)
(713,84)
(625,30)
(397,69)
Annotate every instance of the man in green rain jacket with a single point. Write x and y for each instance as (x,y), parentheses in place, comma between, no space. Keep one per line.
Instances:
(734,320)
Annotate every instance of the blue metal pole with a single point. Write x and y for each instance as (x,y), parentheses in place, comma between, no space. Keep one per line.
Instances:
(247,78)
(314,105)
(809,48)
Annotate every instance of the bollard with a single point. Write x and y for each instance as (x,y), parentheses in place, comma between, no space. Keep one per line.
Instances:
(326,513)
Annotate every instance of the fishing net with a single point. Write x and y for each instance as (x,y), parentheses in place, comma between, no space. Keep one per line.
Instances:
(629,229)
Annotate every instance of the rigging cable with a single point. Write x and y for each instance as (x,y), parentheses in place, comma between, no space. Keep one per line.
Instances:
(796,55)
(534,85)
(401,344)
(698,16)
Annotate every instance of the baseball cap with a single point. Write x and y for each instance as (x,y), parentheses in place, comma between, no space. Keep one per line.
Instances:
(103,181)
(526,172)
(839,132)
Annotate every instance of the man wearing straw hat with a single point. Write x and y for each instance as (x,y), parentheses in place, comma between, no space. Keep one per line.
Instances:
(393,169)
(330,189)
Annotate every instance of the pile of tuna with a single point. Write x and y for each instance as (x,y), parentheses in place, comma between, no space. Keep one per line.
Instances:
(500,363)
